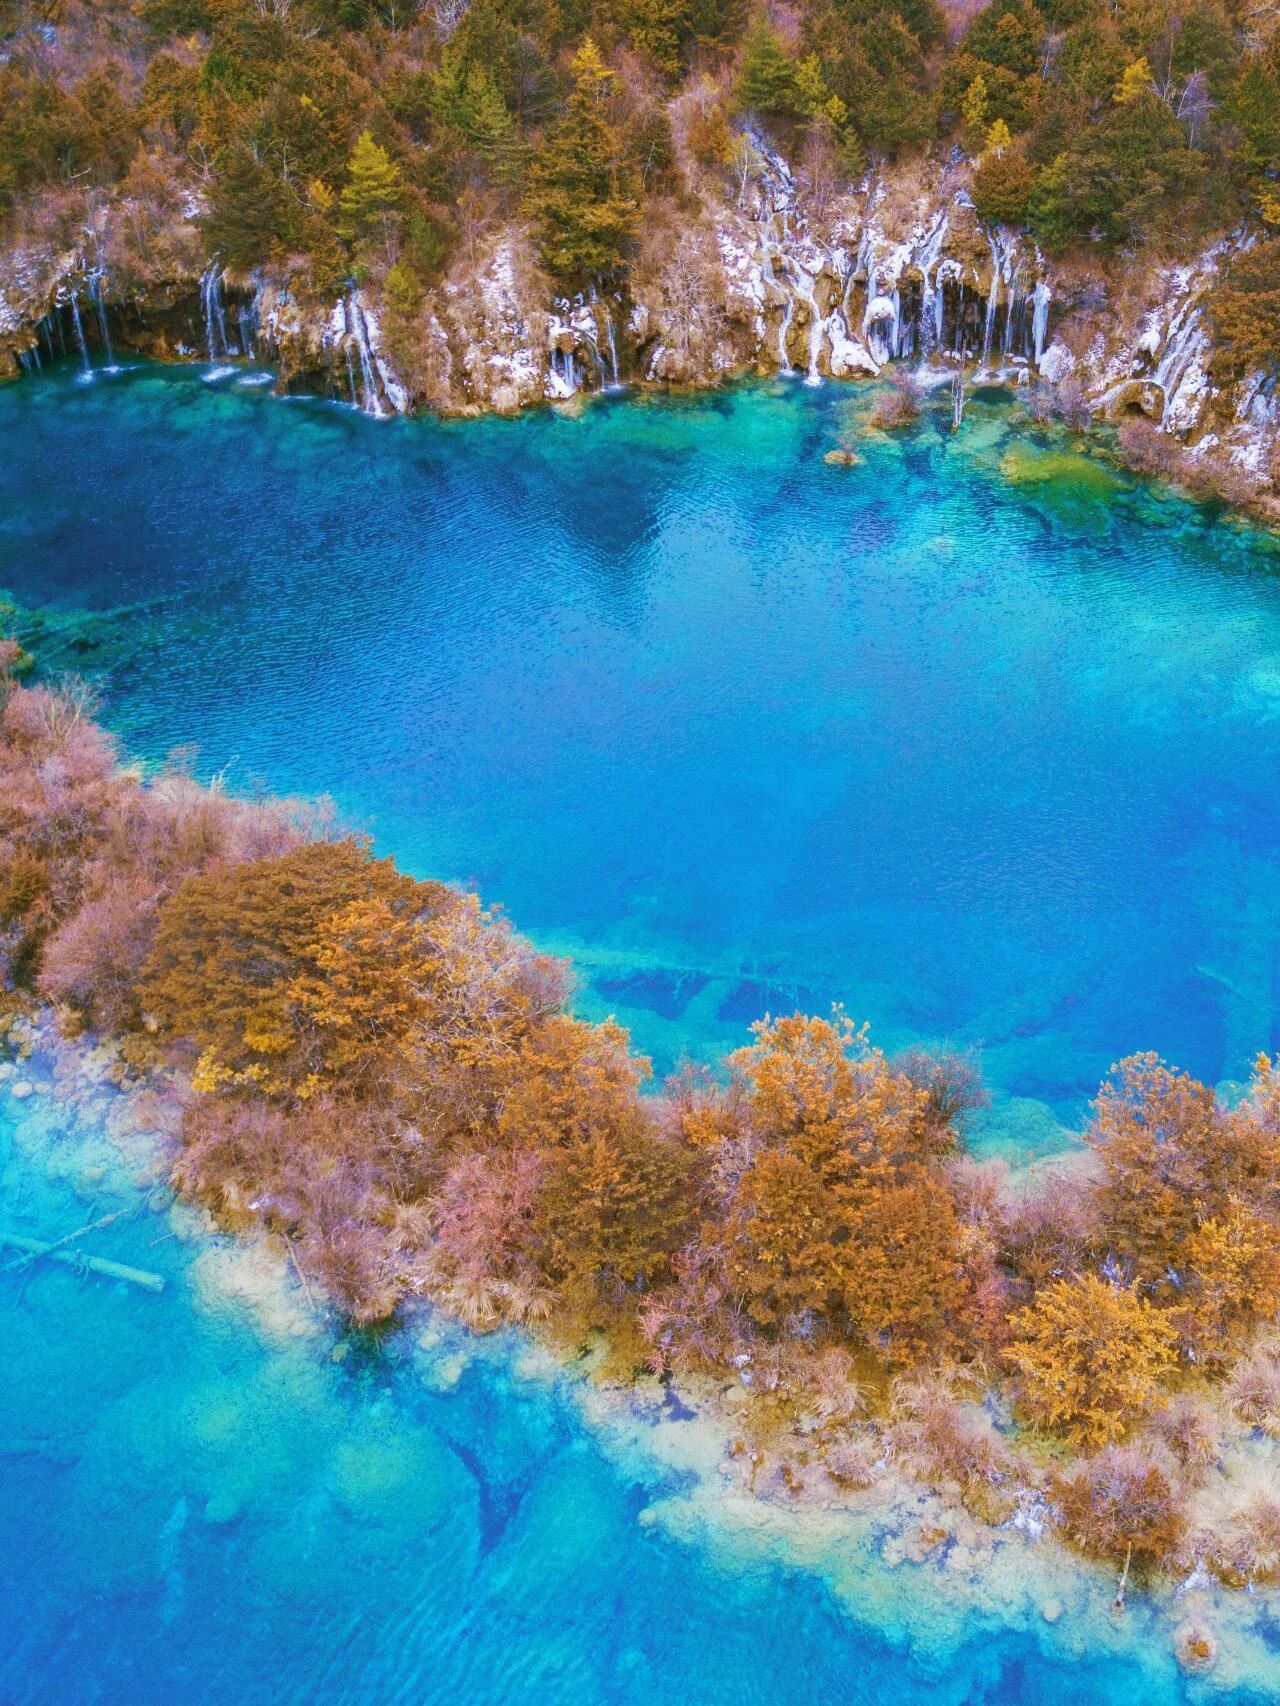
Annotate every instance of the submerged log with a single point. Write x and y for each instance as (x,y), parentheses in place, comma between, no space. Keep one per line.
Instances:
(82,1260)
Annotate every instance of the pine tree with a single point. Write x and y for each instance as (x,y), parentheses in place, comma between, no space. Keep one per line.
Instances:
(249,213)
(767,80)
(374,191)
(582,195)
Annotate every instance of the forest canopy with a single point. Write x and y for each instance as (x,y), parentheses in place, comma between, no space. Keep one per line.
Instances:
(353,138)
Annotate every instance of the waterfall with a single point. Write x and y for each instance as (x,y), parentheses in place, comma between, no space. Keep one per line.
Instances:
(590,332)
(927,258)
(80,343)
(95,291)
(1183,343)
(788,310)
(613,349)
(1013,309)
(784,332)
(215,319)
(249,320)
(1039,319)
(993,302)
(351,376)
(959,349)
(805,290)
(370,400)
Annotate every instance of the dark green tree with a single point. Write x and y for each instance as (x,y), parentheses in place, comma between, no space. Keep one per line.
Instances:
(582,197)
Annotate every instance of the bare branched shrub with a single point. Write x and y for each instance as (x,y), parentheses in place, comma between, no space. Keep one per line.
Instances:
(952,1087)
(942,1438)
(1190,1428)
(855,1461)
(1146,449)
(1253,1391)
(1119,1505)
(899,406)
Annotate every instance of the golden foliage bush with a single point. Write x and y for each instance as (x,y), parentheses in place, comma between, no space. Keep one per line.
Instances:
(1090,1357)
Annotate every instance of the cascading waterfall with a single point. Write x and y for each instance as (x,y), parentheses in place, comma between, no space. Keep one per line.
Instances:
(95,292)
(613,350)
(772,256)
(215,319)
(804,288)
(83,347)
(351,376)
(1013,309)
(370,398)
(929,321)
(249,320)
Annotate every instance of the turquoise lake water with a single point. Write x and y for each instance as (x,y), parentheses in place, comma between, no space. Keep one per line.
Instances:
(978,738)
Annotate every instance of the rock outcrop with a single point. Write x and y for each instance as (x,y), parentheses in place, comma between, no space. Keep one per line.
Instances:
(900,270)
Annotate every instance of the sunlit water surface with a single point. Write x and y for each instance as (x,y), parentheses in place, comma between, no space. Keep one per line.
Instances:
(976,737)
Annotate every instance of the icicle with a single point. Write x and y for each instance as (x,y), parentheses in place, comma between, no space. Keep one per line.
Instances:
(1039,320)
(80,343)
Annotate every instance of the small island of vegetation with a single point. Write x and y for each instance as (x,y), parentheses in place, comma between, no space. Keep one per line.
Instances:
(382,1073)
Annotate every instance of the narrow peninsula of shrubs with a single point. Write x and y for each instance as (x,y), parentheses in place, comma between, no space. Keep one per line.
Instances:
(382,1071)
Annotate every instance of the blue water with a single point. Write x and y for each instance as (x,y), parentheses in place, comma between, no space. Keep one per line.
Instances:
(985,759)
(978,738)
(191,1511)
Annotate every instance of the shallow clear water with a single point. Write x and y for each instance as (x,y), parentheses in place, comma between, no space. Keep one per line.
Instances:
(975,737)
(193,1509)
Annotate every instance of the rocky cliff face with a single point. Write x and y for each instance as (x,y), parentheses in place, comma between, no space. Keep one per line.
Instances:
(900,271)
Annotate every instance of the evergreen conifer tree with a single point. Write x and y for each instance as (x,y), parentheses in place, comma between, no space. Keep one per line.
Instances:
(582,196)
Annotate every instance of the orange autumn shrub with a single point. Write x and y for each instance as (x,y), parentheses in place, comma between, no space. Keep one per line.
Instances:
(1090,1358)
(1233,1287)
(1172,1157)
(274,969)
